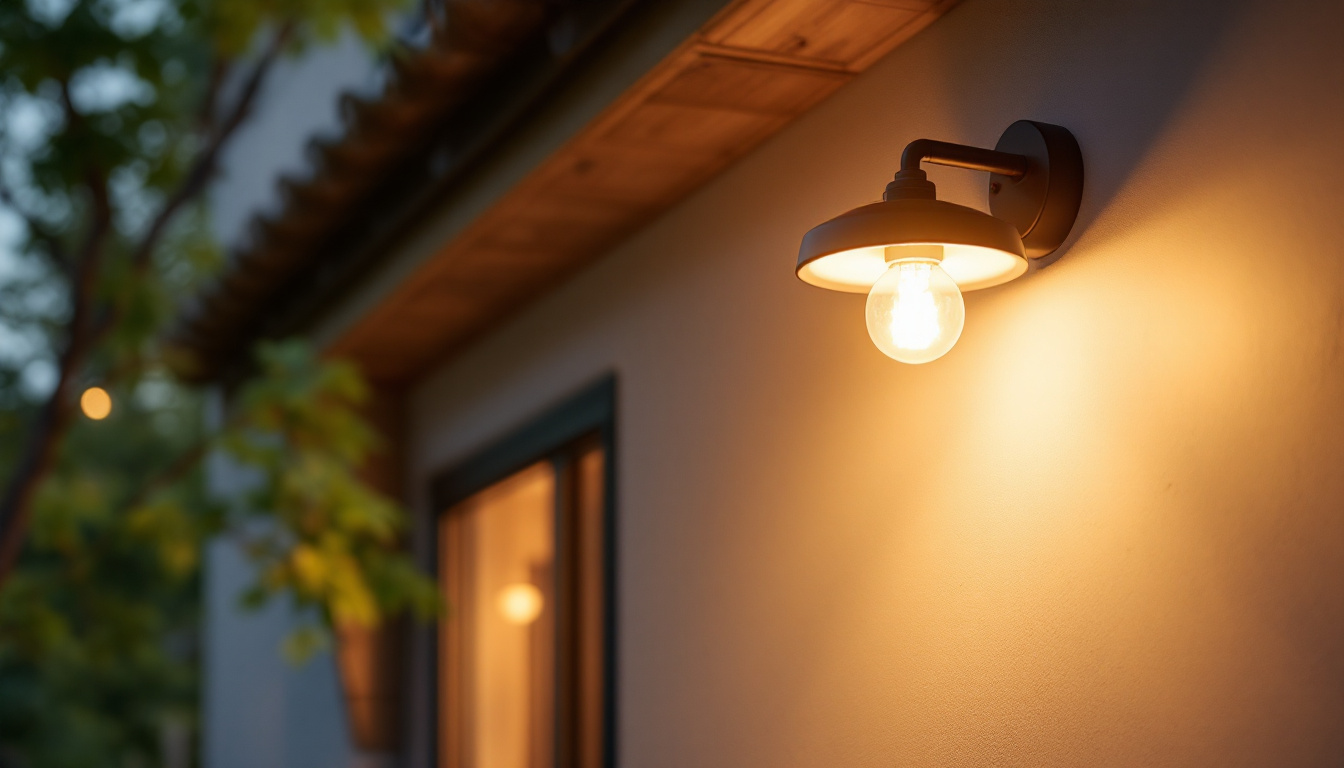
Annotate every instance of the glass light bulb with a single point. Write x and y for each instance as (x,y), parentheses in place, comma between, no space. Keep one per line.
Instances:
(915,311)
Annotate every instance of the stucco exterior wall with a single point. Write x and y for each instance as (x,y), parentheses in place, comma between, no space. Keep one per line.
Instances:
(1106,529)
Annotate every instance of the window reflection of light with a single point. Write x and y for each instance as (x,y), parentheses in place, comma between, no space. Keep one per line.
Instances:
(520,603)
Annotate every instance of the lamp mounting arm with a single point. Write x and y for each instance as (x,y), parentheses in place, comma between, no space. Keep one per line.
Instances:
(962,156)
(1035,183)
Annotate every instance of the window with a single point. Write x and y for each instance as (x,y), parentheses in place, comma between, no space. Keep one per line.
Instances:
(524,560)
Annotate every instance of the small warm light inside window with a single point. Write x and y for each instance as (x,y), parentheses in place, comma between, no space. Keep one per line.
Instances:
(96,403)
(520,603)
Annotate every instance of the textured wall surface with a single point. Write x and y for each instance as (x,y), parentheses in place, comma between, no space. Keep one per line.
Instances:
(257,710)
(1106,529)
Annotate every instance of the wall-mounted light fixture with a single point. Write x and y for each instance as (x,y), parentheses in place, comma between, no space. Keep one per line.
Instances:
(914,254)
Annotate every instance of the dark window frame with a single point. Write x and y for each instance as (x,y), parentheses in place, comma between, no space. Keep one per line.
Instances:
(583,419)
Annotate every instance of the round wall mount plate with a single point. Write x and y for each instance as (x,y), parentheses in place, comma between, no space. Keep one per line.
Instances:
(1043,203)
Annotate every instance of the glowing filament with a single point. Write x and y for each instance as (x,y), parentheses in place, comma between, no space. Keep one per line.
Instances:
(915,311)
(914,314)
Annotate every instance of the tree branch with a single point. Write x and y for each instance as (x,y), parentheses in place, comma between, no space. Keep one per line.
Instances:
(204,168)
(219,74)
(184,463)
(180,466)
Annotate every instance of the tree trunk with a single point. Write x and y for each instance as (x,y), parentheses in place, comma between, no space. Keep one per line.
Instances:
(37,461)
(44,437)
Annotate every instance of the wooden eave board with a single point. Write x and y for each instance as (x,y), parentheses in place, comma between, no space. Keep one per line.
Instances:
(754,68)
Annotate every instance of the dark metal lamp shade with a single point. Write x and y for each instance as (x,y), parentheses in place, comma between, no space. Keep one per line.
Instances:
(848,253)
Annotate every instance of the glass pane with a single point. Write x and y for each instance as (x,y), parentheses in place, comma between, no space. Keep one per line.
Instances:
(497,556)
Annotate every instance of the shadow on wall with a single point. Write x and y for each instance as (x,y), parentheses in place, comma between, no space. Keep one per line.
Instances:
(1065,72)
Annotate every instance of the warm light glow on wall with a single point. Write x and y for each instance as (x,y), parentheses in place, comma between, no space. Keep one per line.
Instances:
(520,603)
(96,403)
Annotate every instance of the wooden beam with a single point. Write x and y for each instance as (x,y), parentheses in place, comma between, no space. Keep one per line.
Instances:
(754,68)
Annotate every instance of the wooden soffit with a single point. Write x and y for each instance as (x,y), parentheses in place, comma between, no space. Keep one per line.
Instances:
(750,71)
